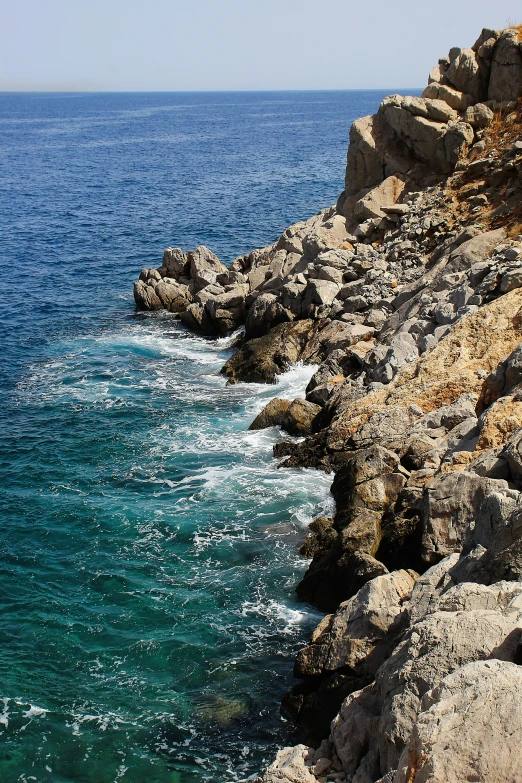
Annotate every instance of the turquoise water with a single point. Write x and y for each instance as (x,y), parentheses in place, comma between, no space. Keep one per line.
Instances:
(148,541)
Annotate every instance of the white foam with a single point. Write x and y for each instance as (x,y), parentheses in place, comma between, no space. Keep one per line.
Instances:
(4,715)
(34,712)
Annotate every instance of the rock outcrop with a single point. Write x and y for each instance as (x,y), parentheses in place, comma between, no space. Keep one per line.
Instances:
(407,295)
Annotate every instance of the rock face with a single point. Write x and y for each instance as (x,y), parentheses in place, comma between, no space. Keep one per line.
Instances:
(449,741)
(407,297)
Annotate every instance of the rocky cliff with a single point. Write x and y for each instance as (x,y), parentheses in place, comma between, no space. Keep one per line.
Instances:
(407,294)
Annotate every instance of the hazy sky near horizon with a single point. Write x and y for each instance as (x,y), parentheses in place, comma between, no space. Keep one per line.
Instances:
(234,44)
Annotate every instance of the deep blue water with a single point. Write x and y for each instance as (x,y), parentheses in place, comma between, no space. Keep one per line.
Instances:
(148,543)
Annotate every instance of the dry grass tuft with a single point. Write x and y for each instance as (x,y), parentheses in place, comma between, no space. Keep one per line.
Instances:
(498,177)
(516,27)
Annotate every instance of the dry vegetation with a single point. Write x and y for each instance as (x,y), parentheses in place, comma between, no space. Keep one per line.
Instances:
(489,189)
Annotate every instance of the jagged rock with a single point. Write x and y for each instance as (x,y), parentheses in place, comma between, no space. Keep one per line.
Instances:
(364,489)
(476,344)
(347,649)
(424,137)
(174,262)
(428,588)
(353,636)
(370,140)
(384,195)
(204,267)
(335,336)
(319,292)
(387,711)
(505,83)
(452,502)
(146,297)
(498,422)
(299,417)
(512,453)
(272,415)
(450,741)
(197,319)
(479,116)
(476,249)
(321,537)
(290,766)
(261,360)
(459,101)
(330,234)
(173,297)
(465,75)
(511,280)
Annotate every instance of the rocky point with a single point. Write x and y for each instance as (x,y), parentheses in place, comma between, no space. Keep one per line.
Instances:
(407,294)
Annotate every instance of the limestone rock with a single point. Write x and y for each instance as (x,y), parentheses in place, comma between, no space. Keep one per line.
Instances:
(368,154)
(465,75)
(384,195)
(145,297)
(272,415)
(173,297)
(469,728)
(290,766)
(380,718)
(479,116)
(478,342)
(358,627)
(475,250)
(197,319)
(454,501)
(505,83)
(204,267)
(299,417)
(459,101)
(261,360)
(174,262)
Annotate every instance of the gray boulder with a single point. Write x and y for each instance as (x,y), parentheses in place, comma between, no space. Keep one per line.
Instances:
(505,83)
(145,297)
(174,262)
(468,728)
(465,74)
(204,267)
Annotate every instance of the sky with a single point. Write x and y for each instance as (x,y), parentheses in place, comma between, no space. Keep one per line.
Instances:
(148,45)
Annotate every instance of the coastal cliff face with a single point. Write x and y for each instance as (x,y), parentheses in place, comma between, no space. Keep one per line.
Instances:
(407,294)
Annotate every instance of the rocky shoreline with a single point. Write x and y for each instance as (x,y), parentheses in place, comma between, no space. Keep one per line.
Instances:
(408,295)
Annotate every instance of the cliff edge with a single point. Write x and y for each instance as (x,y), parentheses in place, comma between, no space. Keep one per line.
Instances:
(408,295)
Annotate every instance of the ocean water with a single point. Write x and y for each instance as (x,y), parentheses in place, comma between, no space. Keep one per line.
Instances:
(148,542)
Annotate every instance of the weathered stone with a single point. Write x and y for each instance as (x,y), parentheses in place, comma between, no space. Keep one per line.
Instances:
(299,417)
(359,627)
(320,292)
(368,161)
(505,83)
(204,267)
(478,116)
(321,537)
(384,195)
(261,360)
(469,728)
(459,101)
(146,297)
(272,414)
(329,234)
(174,262)
(511,280)
(265,313)
(290,766)
(464,74)
(454,501)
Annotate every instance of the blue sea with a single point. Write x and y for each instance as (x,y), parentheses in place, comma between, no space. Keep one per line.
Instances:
(148,542)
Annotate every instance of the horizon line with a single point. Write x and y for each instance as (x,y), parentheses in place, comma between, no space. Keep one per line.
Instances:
(177,92)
